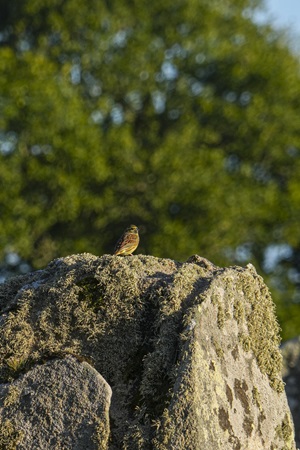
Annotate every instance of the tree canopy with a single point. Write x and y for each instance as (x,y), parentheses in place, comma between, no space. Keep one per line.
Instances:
(181,117)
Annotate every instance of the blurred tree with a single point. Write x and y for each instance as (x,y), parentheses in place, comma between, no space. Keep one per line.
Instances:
(181,118)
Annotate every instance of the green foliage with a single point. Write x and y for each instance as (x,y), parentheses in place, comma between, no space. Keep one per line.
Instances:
(181,118)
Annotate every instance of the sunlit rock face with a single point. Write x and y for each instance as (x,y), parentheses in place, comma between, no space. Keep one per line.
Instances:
(138,352)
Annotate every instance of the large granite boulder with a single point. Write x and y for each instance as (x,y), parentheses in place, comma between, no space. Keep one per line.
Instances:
(189,350)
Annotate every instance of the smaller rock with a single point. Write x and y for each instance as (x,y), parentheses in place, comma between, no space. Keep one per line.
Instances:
(62,404)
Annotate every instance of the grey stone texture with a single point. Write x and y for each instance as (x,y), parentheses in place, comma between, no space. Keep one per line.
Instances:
(60,404)
(189,350)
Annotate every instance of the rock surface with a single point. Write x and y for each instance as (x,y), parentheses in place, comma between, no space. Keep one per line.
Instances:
(57,405)
(189,350)
(291,375)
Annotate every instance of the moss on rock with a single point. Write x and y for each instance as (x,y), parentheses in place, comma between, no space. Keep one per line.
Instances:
(170,339)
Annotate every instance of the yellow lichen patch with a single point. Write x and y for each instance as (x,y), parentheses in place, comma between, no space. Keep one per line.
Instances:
(12,395)
(285,431)
(16,340)
(245,341)
(9,435)
(263,336)
(15,364)
(239,310)
(218,348)
(256,398)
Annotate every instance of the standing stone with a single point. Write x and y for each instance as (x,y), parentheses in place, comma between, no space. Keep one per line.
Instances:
(190,351)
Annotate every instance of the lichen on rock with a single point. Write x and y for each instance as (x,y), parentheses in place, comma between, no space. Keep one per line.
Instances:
(190,351)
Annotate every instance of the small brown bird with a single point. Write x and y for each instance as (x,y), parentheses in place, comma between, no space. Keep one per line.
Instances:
(128,242)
